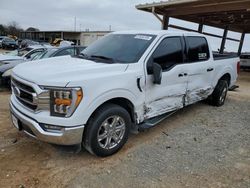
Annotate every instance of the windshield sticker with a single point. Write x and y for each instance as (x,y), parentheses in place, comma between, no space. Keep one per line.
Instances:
(143,37)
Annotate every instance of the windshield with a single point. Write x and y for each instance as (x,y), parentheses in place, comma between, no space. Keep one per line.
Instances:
(46,54)
(23,52)
(118,48)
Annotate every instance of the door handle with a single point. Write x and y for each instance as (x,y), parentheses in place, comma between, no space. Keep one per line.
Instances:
(182,74)
(210,69)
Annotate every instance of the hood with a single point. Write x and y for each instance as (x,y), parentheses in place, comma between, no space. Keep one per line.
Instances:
(6,65)
(9,57)
(59,71)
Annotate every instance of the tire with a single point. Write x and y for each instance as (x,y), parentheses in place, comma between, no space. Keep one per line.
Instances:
(219,95)
(107,130)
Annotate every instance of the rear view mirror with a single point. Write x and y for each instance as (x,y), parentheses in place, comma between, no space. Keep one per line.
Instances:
(157,73)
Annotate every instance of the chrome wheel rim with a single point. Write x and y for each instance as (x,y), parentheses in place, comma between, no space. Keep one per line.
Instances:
(223,95)
(111,132)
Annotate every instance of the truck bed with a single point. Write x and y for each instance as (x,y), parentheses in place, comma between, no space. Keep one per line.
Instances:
(218,56)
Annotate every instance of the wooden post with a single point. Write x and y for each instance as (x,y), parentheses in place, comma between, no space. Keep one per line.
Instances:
(241,43)
(223,42)
(165,22)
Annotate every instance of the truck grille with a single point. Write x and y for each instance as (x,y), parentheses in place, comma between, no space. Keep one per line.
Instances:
(25,94)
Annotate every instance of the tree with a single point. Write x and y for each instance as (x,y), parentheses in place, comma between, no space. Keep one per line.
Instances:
(2,30)
(13,28)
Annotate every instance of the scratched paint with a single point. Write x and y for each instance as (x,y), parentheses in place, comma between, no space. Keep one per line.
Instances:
(197,95)
(163,105)
(171,103)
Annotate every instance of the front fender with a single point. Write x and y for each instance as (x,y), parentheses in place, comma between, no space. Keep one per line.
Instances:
(106,96)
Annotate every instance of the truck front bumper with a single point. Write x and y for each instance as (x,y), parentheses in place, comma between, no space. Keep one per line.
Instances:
(65,136)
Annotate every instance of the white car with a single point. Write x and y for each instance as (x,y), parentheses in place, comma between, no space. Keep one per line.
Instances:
(126,81)
(23,54)
(245,61)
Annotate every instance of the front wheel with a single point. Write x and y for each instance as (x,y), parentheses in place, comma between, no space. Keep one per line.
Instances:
(107,130)
(219,95)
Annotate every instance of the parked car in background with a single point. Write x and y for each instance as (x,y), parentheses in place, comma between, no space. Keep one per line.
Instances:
(245,61)
(19,54)
(60,51)
(35,54)
(24,43)
(9,43)
(1,39)
(126,81)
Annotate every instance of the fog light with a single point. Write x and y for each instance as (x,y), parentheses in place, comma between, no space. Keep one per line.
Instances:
(53,128)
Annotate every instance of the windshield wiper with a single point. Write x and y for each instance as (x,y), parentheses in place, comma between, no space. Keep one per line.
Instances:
(103,57)
(83,55)
(98,57)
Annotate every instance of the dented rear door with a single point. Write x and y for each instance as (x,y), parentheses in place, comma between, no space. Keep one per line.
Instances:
(200,69)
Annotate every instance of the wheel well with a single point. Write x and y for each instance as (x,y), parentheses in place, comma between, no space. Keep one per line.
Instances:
(227,78)
(123,102)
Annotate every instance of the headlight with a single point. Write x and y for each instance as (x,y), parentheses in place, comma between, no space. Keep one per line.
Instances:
(7,73)
(63,102)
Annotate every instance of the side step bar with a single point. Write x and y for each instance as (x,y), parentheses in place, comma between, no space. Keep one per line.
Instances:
(154,121)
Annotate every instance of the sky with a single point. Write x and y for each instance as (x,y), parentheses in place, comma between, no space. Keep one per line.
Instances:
(94,15)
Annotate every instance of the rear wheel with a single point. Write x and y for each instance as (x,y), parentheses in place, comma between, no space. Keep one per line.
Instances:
(219,95)
(107,130)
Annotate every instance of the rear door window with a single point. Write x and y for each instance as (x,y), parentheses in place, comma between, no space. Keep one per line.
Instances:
(197,49)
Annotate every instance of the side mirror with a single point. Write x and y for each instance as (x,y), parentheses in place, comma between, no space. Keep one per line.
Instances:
(157,73)
(28,57)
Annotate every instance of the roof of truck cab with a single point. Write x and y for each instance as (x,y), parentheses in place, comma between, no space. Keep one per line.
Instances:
(157,32)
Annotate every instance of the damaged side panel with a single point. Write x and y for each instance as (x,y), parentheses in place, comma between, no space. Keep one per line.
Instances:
(163,105)
(196,95)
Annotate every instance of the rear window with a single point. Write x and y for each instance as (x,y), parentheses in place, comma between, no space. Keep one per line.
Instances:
(197,49)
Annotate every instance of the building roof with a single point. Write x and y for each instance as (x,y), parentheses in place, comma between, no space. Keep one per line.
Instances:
(155,32)
(58,31)
(233,14)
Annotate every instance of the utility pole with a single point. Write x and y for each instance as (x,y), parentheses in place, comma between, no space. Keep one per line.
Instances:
(75,24)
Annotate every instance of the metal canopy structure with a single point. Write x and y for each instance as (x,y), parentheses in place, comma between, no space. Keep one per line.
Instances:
(231,15)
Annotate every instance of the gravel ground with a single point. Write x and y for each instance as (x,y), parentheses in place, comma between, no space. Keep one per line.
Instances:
(199,146)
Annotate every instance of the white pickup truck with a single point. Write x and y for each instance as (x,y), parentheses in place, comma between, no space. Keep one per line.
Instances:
(124,82)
